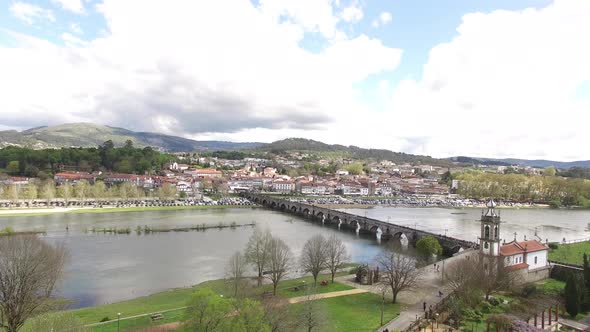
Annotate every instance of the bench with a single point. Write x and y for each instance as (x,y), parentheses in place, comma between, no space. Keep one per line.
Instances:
(157,316)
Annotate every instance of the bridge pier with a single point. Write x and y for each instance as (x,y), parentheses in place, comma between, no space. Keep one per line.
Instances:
(381,230)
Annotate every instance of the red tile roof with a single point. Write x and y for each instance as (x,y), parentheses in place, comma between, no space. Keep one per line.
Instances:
(514,247)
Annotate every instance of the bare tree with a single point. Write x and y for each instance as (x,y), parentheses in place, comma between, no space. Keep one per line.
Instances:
(278,315)
(336,254)
(48,191)
(234,272)
(29,271)
(313,256)
(399,272)
(312,314)
(257,251)
(279,260)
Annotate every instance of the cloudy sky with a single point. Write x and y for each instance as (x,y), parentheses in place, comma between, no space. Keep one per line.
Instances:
(503,78)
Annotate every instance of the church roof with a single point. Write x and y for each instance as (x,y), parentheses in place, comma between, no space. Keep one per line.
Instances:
(514,247)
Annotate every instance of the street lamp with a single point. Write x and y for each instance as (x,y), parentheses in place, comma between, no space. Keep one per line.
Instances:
(446,229)
(118,320)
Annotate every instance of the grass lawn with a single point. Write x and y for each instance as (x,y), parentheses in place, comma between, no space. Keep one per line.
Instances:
(551,287)
(177,298)
(359,312)
(570,253)
(142,322)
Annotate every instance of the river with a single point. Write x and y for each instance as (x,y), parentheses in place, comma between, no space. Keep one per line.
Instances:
(105,268)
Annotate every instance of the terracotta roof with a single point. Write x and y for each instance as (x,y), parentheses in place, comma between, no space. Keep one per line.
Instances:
(517,267)
(514,247)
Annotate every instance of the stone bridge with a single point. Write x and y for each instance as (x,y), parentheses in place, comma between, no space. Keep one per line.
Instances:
(361,225)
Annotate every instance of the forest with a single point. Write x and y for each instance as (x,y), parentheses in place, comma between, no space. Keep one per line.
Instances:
(554,190)
(21,161)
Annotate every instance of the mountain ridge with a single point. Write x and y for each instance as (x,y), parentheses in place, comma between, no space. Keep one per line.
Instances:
(92,135)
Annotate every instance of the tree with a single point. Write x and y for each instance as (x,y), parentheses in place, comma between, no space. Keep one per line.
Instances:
(99,190)
(258,251)
(572,296)
(279,260)
(82,189)
(250,317)
(355,169)
(208,312)
(429,245)
(336,254)
(13,168)
(550,171)
(13,193)
(31,192)
(398,272)
(312,314)
(313,257)
(29,271)
(277,314)
(235,270)
(65,191)
(586,272)
(48,191)
(480,272)
(167,191)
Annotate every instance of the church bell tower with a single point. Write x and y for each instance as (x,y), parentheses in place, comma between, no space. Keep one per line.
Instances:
(489,241)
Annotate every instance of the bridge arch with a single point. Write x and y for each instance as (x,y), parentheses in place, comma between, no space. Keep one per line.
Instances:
(320,215)
(305,212)
(273,205)
(294,209)
(283,206)
(264,202)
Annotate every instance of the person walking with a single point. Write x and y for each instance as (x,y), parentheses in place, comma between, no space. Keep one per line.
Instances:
(424,306)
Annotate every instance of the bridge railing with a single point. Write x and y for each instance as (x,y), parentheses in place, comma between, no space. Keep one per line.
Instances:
(312,206)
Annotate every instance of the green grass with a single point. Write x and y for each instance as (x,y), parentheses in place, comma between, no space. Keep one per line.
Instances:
(129,209)
(177,298)
(359,312)
(570,253)
(142,322)
(551,287)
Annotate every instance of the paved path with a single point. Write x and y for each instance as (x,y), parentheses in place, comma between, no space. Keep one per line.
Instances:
(411,301)
(573,324)
(327,295)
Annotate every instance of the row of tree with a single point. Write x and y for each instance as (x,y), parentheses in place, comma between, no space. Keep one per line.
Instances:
(83,191)
(519,187)
(42,163)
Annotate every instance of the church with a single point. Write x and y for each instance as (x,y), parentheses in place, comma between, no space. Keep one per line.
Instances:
(529,257)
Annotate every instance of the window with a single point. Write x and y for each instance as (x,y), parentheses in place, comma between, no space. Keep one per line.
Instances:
(485,245)
(535,260)
(486,232)
(496,232)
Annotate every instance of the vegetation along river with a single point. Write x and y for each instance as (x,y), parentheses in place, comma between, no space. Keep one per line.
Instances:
(105,268)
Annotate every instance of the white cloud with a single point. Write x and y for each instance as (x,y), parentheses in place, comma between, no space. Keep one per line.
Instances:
(75,6)
(75,28)
(29,13)
(504,86)
(352,14)
(383,19)
(194,74)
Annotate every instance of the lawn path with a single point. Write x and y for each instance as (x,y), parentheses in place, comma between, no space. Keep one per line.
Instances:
(135,316)
(326,295)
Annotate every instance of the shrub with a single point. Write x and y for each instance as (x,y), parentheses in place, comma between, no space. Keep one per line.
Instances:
(494,301)
(529,290)
(553,245)
(104,319)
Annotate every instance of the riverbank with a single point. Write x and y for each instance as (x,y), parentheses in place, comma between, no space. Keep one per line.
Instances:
(24,212)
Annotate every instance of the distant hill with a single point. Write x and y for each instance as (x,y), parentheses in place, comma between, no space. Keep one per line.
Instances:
(354,152)
(92,135)
(541,163)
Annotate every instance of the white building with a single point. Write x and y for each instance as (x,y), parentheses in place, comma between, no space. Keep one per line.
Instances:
(283,186)
(530,257)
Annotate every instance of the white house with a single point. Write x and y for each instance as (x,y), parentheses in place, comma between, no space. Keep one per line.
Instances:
(528,257)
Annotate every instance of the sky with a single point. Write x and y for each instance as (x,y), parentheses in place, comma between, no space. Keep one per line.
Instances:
(503,78)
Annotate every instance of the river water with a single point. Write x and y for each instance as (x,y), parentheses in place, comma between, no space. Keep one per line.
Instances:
(105,268)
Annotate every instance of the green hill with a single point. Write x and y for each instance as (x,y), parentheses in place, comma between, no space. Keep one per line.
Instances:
(91,135)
